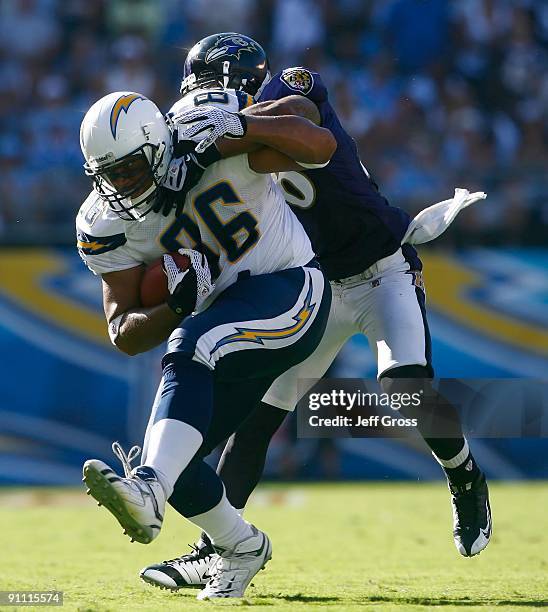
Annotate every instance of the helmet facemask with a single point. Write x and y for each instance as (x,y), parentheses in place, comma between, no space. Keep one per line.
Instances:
(130,184)
(230,78)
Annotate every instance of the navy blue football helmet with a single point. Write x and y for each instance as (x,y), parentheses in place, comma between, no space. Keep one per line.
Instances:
(229,60)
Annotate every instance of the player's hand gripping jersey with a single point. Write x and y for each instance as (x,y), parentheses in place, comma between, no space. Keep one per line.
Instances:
(350,223)
(238,218)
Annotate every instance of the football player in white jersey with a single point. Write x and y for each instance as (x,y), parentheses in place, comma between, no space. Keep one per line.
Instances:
(377,289)
(230,335)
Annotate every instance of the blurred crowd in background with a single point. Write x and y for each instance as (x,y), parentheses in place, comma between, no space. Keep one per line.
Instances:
(437,93)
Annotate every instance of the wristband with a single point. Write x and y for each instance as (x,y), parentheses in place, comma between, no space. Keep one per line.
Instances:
(209,156)
(114,327)
(312,166)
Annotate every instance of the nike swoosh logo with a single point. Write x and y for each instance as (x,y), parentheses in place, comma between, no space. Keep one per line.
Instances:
(487,531)
(263,544)
(154,502)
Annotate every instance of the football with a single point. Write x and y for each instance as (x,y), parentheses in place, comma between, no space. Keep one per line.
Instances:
(154,282)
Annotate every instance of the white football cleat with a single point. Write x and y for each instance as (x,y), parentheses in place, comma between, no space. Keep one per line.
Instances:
(137,501)
(235,568)
(190,570)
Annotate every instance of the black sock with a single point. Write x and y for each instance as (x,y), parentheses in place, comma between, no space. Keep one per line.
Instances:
(445,448)
(242,462)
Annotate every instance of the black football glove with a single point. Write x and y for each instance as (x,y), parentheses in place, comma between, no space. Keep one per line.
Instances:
(187,288)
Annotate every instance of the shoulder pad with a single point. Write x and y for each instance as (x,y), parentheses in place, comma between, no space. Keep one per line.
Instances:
(98,229)
(97,218)
(228,99)
(296,80)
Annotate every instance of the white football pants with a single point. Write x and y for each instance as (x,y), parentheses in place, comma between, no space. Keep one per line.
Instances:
(384,303)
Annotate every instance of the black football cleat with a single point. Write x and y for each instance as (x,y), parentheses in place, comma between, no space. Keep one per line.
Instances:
(190,570)
(472,525)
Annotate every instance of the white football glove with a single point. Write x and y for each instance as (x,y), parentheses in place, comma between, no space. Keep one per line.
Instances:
(189,288)
(204,124)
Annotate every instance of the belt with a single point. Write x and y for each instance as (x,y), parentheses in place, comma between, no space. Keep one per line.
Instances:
(377,268)
(313,263)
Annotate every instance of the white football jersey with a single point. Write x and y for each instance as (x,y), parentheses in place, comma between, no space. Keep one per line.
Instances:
(237,217)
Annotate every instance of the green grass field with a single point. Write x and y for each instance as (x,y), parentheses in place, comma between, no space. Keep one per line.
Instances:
(339,547)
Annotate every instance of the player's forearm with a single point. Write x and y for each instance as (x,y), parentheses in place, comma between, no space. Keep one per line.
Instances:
(142,329)
(299,106)
(291,105)
(295,137)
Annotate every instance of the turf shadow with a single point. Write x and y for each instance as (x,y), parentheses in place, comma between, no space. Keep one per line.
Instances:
(465,601)
(302,598)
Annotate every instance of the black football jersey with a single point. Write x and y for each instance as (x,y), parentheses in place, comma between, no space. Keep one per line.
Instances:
(350,224)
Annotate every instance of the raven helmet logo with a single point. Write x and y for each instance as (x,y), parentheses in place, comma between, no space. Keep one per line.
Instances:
(230,46)
(298,79)
(122,104)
